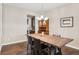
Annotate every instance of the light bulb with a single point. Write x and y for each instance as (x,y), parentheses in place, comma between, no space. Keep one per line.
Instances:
(42,17)
(46,18)
(39,18)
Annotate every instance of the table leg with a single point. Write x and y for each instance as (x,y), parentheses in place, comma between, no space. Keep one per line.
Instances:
(57,51)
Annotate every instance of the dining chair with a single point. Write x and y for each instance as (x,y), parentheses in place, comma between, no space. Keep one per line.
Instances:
(40,49)
(29,45)
(36,47)
(56,50)
(45,47)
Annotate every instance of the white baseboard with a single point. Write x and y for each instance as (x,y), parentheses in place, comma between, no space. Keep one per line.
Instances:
(13,42)
(73,47)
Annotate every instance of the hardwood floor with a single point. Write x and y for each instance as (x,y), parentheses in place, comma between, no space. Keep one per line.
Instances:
(20,49)
(0,52)
(69,51)
(14,49)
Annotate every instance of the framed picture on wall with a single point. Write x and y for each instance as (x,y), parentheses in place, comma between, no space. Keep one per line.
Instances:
(66,22)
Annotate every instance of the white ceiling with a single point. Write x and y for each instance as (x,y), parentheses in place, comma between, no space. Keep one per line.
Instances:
(37,7)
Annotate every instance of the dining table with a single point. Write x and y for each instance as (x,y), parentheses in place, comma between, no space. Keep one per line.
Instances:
(52,40)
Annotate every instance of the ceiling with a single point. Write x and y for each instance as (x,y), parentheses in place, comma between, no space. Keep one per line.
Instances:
(40,8)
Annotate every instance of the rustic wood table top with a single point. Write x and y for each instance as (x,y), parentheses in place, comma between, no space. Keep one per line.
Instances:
(53,40)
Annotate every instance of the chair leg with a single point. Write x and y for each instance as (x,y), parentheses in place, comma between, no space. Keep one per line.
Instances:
(59,51)
(52,50)
(29,50)
(55,51)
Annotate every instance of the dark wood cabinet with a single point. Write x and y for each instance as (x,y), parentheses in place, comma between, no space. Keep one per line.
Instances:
(43,26)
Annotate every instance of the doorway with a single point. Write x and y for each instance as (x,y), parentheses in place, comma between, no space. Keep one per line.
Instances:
(30,24)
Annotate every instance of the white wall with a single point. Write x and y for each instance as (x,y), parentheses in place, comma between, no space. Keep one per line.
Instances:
(0,24)
(15,24)
(54,23)
(36,25)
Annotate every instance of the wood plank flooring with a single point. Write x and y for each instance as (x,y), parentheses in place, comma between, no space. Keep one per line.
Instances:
(20,49)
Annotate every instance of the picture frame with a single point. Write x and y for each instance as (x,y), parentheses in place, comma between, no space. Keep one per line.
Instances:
(66,22)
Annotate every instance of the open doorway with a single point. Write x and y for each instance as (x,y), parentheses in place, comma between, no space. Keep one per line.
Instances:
(30,24)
